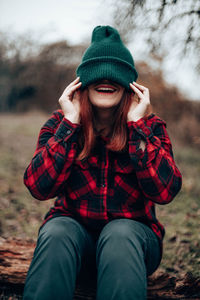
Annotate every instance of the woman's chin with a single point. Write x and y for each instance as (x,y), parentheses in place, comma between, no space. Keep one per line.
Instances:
(104,103)
(104,106)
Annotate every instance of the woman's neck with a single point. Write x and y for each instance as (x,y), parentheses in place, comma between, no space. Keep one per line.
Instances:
(103,120)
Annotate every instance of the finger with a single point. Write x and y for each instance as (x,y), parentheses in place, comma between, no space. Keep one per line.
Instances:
(143,88)
(137,91)
(76,86)
(74,82)
(71,89)
(68,92)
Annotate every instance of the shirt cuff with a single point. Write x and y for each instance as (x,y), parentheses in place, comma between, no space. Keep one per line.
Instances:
(66,129)
(139,129)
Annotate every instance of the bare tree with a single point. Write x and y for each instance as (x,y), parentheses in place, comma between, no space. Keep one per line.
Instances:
(166,26)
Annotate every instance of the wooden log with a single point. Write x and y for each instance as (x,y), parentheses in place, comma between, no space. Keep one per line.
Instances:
(16,255)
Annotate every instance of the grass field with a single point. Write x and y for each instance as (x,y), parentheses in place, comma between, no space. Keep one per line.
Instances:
(21,215)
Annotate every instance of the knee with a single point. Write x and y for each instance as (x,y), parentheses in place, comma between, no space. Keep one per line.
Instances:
(118,237)
(60,230)
(120,230)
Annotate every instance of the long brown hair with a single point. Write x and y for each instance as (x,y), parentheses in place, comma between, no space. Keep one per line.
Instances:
(118,139)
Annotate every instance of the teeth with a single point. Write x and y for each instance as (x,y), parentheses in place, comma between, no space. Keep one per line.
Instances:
(105,90)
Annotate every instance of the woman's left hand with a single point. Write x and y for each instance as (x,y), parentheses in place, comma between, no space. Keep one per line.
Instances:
(139,108)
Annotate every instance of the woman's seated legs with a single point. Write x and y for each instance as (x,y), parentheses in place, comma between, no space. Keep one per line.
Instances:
(62,242)
(127,251)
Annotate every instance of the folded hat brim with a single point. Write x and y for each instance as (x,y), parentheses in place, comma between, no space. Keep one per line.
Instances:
(106,68)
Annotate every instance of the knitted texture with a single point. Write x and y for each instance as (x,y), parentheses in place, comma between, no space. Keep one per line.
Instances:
(107,58)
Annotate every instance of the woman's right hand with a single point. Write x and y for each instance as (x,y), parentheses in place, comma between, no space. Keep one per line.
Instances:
(70,101)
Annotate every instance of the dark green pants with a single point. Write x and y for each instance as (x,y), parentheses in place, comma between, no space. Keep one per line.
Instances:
(123,255)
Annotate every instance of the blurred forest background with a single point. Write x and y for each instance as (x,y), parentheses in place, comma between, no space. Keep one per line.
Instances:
(32,78)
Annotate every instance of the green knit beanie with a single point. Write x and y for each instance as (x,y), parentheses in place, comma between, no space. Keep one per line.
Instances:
(107,58)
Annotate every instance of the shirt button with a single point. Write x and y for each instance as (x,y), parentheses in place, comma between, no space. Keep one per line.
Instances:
(103,185)
(68,131)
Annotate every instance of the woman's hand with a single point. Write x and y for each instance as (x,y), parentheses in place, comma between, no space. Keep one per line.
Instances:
(138,108)
(70,101)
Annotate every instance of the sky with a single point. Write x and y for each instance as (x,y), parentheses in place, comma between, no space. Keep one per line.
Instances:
(51,20)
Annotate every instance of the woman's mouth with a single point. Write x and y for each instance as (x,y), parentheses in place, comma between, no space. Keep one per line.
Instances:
(105,89)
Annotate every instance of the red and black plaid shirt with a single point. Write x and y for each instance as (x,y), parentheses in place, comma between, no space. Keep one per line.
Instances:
(107,185)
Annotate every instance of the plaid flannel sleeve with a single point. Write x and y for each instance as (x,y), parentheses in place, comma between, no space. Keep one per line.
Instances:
(56,150)
(156,171)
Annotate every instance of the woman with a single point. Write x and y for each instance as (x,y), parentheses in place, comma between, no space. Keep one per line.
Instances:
(108,162)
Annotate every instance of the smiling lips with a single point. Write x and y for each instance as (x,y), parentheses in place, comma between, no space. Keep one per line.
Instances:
(105,88)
